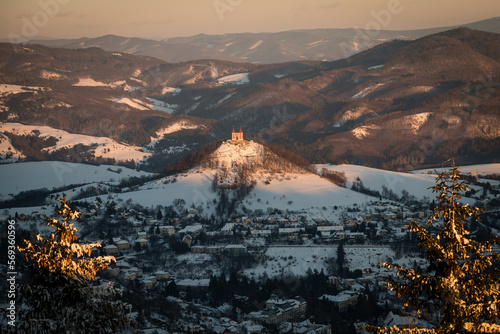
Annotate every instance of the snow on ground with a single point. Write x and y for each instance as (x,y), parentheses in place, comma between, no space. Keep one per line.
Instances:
(296,260)
(163,106)
(352,115)
(484,169)
(54,174)
(138,80)
(107,147)
(255,45)
(89,82)
(416,184)
(293,261)
(134,103)
(178,126)
(193,188)
(51,75)
(366,91)
(237,79)
(171,90)
(296,192)
(416,121)
(225,98)
(367,256)
(374,67)
(363,131)
(305,191)
(6,89)
(316,43)
(245,151)
(6,149)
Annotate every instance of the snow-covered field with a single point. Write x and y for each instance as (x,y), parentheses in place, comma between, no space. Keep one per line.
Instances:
(107,147)
(297,192)
(7,148)
(134,103)
(485,169)
(178,126)
(296,260)
(366,91)
(192,187)
(89,82)
(417,184)
(6,89)
(171,90)
(163,106)
(237,79)
(364,131)
(293,261)
(54,174)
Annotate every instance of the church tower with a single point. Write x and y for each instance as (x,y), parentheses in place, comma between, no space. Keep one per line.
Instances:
(237,135)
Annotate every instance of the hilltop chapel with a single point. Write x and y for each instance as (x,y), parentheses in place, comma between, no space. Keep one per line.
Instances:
(237,135)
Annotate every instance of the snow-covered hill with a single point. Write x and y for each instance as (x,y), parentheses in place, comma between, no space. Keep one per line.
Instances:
(271,182)
(375,179)
(106,147)
(292,189)
(19,177)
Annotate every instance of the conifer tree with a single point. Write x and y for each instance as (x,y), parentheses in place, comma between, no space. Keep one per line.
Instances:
(459,292)
(60,297)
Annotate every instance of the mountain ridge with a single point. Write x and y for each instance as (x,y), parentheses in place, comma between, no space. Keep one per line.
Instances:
(292,45)
(399,104)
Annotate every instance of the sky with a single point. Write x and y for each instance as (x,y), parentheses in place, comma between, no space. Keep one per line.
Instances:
(157,19)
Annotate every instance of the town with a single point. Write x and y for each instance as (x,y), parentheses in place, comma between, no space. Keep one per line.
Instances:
(279,270)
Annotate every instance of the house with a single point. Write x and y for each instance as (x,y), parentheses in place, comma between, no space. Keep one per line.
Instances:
(282,221)
(390,215)
(198,249)
(137,271)
(110,249)
(193,284)
(167,230)
(193,229)
(130,275)
(213,250)
(291,230)
(235,250)
(151,222)
(143,242)
(123,245)
(331,228)
(279,310)
(400,321)
(261,233)
(342,300)
(162,275)
(147,284)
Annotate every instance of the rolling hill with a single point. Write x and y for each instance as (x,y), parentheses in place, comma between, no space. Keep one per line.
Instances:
(286,46)
(400,105)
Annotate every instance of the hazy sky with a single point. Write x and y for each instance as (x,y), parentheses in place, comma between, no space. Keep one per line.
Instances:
(170,18)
